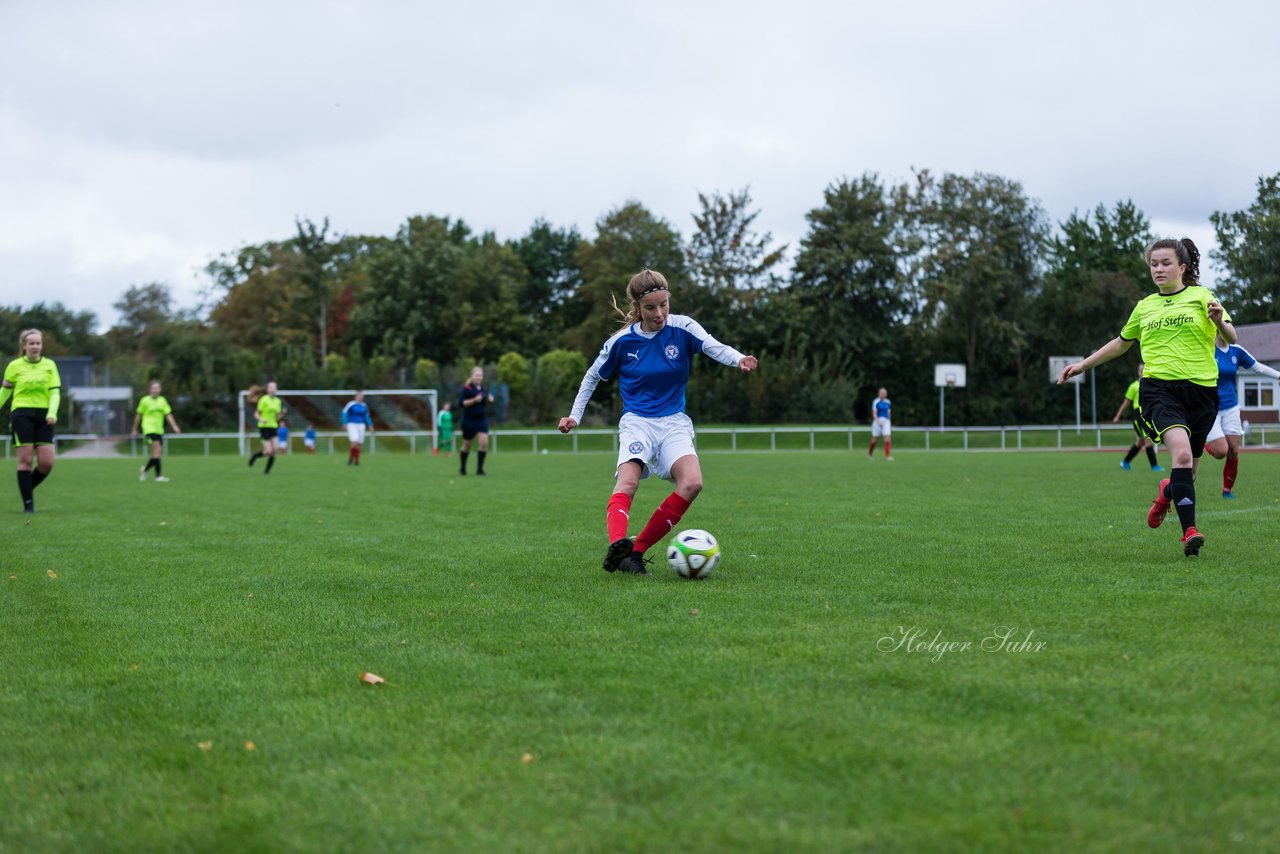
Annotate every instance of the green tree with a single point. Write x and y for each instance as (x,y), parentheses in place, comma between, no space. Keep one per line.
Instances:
(483,310)
(411,289)
(1249,251)
(980,274)
(426,373)
(1094,276)
(726,256)
(553,279)
(513,369)
(554,384)
(628,240)
(847,294)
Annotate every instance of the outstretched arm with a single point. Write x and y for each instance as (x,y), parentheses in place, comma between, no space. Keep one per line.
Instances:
(1105,353)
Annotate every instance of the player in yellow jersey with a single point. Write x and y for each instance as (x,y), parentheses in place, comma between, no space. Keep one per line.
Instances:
(1131,398)
(270,409)
(33,382)
(1178,392)
(153,411)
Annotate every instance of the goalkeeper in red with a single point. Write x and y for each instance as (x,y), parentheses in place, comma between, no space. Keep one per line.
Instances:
(651,356)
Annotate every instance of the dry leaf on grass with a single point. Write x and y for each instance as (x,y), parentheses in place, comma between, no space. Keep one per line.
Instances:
(249,745)
(527,759)
(371,679)
(206,746)
(53,574)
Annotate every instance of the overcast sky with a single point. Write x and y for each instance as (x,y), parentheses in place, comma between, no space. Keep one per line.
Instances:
(140,140)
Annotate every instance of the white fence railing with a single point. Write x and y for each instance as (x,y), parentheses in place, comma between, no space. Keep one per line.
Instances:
(1012,438)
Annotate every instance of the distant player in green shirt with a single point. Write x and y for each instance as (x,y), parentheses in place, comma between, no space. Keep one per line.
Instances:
(36,388)
(1178,393)
(444,422)
(1131,399)
(153,411)
(270,409)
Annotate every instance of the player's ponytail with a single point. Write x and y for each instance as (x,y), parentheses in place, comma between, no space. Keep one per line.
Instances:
(1192,260)
(254,394)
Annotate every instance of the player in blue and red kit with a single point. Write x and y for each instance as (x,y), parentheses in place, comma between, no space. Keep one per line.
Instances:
(880,425)
(1224,439)
(651,356)
(356,418)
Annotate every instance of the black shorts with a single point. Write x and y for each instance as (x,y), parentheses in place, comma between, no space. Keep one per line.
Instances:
(268,433)
(1177,403)
(471,428)
(29,427)
(1137,425)
(154,437)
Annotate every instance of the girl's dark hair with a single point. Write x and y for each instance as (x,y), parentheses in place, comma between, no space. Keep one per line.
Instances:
(1187,254)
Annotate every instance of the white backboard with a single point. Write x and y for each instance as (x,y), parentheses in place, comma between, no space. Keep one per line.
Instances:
(1057,363)
(948,376)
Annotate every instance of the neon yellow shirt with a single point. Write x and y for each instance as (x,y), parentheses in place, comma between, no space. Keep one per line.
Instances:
(1132,395)
(1176,335)
(153,410)
(269,409)
(33,383)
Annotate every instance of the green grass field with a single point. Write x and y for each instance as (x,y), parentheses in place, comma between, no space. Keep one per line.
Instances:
(773,707)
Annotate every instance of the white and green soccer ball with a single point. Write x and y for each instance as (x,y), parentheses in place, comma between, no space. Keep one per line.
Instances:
(693,554)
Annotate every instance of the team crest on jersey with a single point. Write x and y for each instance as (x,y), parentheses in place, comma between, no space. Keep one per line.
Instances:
(672,351)
(635,448)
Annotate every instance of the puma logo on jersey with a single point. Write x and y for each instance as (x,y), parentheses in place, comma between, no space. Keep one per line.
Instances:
(635,356)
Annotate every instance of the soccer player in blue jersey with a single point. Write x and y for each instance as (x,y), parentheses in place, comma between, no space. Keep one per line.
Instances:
(651,356)
(880,425)
(356,417)
(1224,439)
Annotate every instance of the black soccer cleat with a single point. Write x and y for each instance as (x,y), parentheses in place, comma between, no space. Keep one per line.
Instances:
(633,564)
(618,550)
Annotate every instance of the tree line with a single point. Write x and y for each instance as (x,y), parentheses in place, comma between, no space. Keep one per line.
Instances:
(888,280)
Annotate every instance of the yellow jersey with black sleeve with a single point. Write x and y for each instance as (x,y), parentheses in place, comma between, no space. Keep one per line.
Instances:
(269,408)
(36,385)
(1176,335)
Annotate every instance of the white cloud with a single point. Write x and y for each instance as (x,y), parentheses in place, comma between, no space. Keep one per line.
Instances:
(139,140)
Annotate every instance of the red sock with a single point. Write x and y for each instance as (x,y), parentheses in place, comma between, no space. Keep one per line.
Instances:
(1229,474)
(355,452)
(617,516)
(886,447)
(871,450)
(662,521)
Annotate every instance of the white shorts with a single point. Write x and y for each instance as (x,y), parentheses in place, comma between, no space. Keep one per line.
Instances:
(1226,424)
(355,433)
(656,442)
(881,427)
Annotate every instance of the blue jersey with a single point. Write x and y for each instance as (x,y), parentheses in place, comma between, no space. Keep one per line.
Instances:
(1229,360)
(652,367)
(356,413)
(882,408)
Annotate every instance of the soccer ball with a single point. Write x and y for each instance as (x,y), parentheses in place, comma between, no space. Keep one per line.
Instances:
(693,554)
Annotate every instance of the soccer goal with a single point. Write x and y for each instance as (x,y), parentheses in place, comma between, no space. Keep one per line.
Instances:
(395,412)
